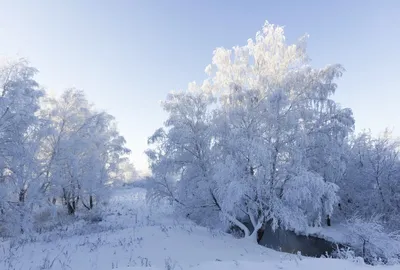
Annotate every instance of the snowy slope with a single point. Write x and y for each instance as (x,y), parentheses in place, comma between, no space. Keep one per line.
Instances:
(136,236)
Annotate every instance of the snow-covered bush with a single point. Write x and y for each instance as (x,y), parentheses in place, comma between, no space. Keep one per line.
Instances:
(372,241)
(346,253)
(371,184)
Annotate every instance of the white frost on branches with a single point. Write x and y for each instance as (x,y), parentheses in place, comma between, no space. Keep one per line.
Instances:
(270,145)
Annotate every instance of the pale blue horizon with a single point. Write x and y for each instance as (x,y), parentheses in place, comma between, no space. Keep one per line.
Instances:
(127,55)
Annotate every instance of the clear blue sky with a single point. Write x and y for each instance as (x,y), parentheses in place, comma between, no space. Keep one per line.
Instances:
(127,55)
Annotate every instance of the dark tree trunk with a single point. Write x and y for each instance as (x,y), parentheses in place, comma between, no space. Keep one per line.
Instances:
(251,171)
(91,201)
(260,234)
(71,208)
(363,249)
(328,220)
(21,196)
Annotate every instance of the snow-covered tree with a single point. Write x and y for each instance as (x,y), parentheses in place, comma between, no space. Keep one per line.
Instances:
(274,118)
(127,171)
(181,159)
(51,149)
(83,153)
(372,181)
(370,238)
(277,104)
(20,129)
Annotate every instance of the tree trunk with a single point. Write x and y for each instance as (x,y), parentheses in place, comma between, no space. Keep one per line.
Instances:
(328,220)
(21,196)
(253,236)
(257,234)
(91,201)
(71,208)
(260,234)
(363,249)
(238,223)
(258,231)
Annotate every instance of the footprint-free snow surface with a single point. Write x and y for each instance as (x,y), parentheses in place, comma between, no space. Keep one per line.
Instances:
(134,235)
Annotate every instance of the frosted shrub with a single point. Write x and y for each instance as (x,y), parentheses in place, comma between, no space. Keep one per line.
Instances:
(372,241)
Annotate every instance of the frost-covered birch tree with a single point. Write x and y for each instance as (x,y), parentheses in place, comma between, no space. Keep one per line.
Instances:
(51,150)
(371,185)
(274,118)
(20,128)
(181,158)
(83,152)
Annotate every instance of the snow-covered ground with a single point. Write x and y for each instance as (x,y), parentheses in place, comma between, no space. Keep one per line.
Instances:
(134,235)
